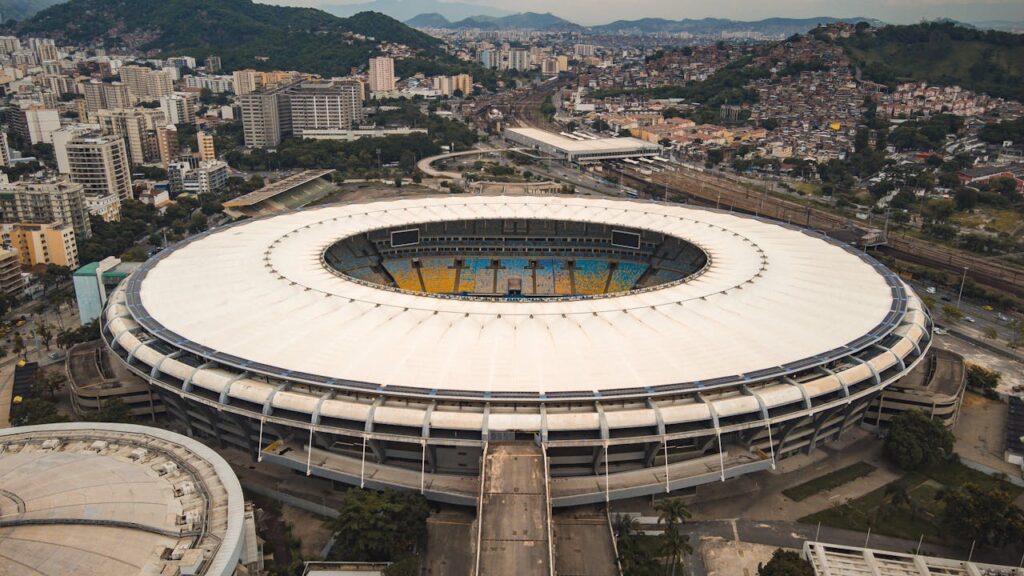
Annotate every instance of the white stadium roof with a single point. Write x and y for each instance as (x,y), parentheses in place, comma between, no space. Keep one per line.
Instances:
(258,294)
(582,146)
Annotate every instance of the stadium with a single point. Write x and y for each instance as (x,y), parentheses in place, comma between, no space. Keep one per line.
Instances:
(645,347)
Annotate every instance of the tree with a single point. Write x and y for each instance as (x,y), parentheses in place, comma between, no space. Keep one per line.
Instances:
(45,334)
(379,526)
(676,546)
(35,411)
(981,378)
(47,384)
(113,410)
(634,559)
(785,563)
(672,512)
(952,312)
(916,441)
(986,517)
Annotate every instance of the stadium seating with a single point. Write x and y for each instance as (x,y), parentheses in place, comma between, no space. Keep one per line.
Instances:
(625,276)
(591,276)
(438,275)
(404,274)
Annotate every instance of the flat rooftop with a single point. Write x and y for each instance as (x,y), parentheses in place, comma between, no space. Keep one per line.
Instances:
(110,499)
(835,560)
(581,146)
(275,188)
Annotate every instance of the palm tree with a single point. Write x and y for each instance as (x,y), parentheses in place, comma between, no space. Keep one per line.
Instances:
(625,526)
(676,546)
(672,512)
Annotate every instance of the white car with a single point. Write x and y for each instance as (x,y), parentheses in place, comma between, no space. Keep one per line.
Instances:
(969,319)
(930,289)
(940,331)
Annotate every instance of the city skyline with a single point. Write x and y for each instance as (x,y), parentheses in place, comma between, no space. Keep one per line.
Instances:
(595,12)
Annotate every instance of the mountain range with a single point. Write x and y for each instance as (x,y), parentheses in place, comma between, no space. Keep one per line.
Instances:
(548,22)
(245,34)
(22,9)
(406,9)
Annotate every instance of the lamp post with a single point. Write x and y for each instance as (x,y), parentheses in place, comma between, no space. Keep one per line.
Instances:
(960,295)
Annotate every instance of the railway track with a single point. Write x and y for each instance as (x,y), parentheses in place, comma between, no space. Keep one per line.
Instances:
(708,190)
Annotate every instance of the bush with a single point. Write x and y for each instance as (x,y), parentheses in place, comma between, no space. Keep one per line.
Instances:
(981,378)
(785,563)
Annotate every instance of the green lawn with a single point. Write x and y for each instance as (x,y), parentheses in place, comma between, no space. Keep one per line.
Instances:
(829,481)
(874,511)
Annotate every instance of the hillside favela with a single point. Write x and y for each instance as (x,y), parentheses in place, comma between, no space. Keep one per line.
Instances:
(552,288)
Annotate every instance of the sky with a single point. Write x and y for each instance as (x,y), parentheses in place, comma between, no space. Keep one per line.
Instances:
(590,12)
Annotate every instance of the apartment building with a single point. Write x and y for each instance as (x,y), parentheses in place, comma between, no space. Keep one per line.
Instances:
(147,84)
(382,74)
(137,126)
(330,104)
(100,164)
(42,243)
(52,201)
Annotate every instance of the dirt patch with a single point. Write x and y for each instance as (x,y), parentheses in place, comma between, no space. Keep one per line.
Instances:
(308,528)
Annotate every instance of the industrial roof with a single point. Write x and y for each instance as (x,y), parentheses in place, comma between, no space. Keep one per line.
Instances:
(109,499)
(276,188)
(257,295)
(582,146)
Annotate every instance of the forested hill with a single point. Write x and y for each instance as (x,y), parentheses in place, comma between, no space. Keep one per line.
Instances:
(942,53)
(245,34)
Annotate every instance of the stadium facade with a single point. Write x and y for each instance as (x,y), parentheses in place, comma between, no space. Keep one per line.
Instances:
(647,347)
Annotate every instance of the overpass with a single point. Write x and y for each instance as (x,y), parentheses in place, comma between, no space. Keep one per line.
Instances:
(425,165)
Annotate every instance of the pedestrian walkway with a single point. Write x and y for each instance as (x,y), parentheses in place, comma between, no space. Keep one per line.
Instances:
(514,512)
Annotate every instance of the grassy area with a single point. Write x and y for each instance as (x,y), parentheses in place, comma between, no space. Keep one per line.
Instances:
(1003,221)
(875,511)
(829,481)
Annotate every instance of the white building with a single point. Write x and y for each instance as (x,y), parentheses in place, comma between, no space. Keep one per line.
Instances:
(382,75)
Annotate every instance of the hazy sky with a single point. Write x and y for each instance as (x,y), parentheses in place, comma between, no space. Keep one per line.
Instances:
(601,11)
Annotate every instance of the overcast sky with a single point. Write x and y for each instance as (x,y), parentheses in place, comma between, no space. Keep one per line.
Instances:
(602,11)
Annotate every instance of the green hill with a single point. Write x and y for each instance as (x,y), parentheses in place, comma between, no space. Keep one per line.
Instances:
(243,33)
(942,53)
(22,9)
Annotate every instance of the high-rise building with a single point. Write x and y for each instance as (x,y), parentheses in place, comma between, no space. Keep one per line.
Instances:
(519,59)
(45,49)
(167,143)
(583,50)
(105,96)
(12,283)
(5,150)
(179,108)
(266,117)
(54,201)
(212,64)
(197,177)
(325,104)
(490,58)
(247,81)
(206,148)
(382,74)
(9,44)
(35,123)
(38,243)
(147,84)
(100,164)
(138,128)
